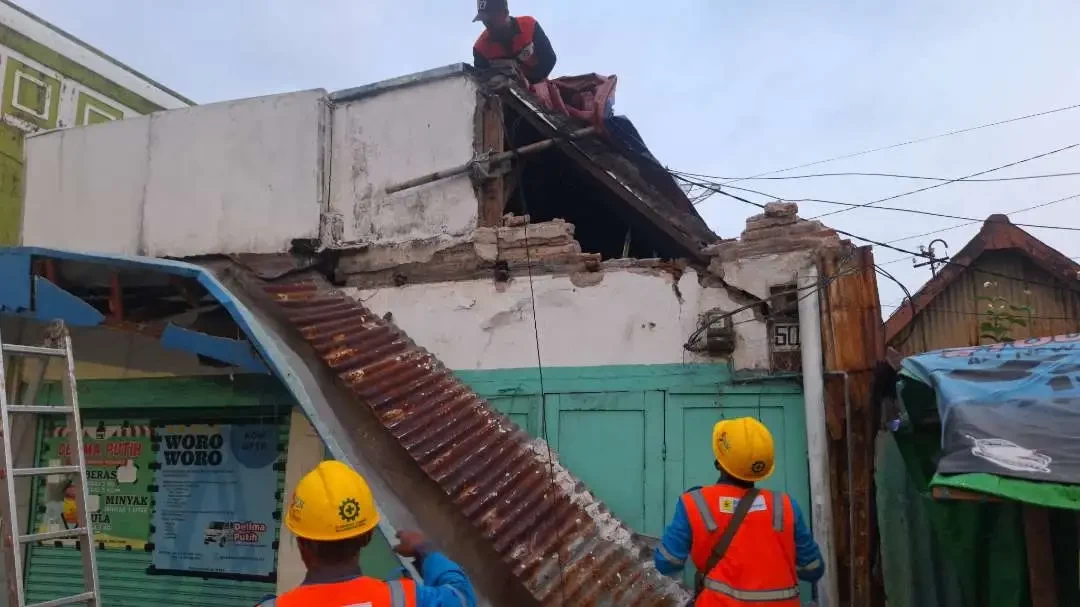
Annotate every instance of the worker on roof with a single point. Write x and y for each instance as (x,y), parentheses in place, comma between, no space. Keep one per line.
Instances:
(507,41)
(749,545)
(333,517)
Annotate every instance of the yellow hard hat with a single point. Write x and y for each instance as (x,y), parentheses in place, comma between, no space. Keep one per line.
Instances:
(332,502)
(744,449)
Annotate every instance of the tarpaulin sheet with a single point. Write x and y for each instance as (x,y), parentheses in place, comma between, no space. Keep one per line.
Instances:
(1010,410)
(589,98)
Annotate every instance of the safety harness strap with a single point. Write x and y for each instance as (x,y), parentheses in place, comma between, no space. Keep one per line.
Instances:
(753,596)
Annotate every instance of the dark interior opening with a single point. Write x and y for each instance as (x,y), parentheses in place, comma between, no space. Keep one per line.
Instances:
(550,185)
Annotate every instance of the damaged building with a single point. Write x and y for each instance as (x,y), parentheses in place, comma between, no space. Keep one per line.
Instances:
(513,322)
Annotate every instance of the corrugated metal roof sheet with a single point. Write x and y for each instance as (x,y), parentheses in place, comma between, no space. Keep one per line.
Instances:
(563,544)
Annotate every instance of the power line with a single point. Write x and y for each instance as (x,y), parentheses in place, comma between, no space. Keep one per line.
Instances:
(914,254)
(970,220)
(945,183)
(968,223)
(912,142)
(728,180)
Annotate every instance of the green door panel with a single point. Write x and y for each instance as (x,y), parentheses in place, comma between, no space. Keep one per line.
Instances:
(614,442)
(523,410)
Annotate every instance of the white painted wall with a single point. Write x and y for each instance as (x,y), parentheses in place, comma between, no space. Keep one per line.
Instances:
(631,317)
(236,177)
(396,135)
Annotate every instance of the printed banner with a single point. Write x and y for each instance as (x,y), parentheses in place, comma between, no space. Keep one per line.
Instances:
(216,500)
(1008,409)
(118,469)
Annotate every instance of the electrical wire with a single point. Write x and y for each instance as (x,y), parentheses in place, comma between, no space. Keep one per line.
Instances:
(944,261)
(544,431)
(968,220)
(972,222)
(729,180)
(945,183)
(912,142)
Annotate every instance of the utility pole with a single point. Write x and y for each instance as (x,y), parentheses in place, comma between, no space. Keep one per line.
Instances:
(932,259)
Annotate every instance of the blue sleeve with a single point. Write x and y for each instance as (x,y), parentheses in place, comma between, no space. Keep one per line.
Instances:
(670,556)
(808,562)
(445,584)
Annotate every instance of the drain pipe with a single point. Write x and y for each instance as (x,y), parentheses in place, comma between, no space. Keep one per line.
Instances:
(816,433)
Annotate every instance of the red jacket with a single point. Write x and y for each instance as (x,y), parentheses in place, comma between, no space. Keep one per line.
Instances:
(528,46)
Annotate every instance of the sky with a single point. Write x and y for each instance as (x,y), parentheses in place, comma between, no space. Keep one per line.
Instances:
(718,87)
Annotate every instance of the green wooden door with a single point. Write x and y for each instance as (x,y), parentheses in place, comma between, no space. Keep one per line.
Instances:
(614,441)
(690,419)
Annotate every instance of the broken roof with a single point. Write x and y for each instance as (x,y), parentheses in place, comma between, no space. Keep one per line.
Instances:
(620,161)
(434,453)
(997,234)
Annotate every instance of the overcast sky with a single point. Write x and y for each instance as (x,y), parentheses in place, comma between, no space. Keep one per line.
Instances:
(720,87)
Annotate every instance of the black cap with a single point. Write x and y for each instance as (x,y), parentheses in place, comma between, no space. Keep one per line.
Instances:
(483,7)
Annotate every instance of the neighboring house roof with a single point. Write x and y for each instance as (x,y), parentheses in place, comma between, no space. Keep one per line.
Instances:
(534,521)
(997,234)
(23,23)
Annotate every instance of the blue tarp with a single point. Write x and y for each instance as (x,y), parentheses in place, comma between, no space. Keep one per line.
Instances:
(1010,410)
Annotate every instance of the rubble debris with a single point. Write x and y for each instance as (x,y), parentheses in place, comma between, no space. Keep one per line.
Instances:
(778,230)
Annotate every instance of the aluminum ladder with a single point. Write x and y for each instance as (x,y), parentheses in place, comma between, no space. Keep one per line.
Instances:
(57,345)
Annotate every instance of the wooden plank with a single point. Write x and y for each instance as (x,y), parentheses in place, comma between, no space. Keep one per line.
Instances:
(949,493)
(852,344)
(1040,557)
(492,141)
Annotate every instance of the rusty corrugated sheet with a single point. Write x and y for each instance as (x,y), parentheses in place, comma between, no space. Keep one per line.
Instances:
(564,545)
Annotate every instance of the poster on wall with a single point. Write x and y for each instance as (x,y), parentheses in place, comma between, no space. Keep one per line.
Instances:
(216,502)
(119,459)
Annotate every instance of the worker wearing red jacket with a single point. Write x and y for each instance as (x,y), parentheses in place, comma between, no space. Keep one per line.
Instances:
(333,516)
(518,42)
(750,546)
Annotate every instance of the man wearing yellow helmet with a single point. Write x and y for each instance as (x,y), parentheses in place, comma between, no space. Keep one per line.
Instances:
(749,545)
(333,516)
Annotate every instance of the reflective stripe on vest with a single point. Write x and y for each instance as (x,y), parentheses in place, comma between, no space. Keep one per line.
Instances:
(397,594)
(778,512)
(753,596)
(703,510)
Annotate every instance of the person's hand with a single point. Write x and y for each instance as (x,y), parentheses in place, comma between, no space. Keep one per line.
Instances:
(412,544)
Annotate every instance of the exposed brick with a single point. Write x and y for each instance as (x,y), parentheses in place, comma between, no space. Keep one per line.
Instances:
(761,222)
(800,229)
(781,209)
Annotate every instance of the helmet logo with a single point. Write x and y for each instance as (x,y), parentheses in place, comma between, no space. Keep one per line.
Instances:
(758,467)
(724,441)
(481,5)
(349,510)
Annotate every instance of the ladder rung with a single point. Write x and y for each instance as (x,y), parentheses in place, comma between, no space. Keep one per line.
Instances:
(46,471)
(33,350)
(63,534)
(68,600)
(40,409)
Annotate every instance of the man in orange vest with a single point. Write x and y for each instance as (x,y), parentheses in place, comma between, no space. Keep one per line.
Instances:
(333,517)
(750,546)
(519,42)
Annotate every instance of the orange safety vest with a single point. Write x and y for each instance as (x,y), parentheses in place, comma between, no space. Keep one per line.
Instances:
(759,565)
(521,47)
(359,591)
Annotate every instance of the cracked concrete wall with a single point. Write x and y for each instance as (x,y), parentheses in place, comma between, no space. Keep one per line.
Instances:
(400,134)
(629,316)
